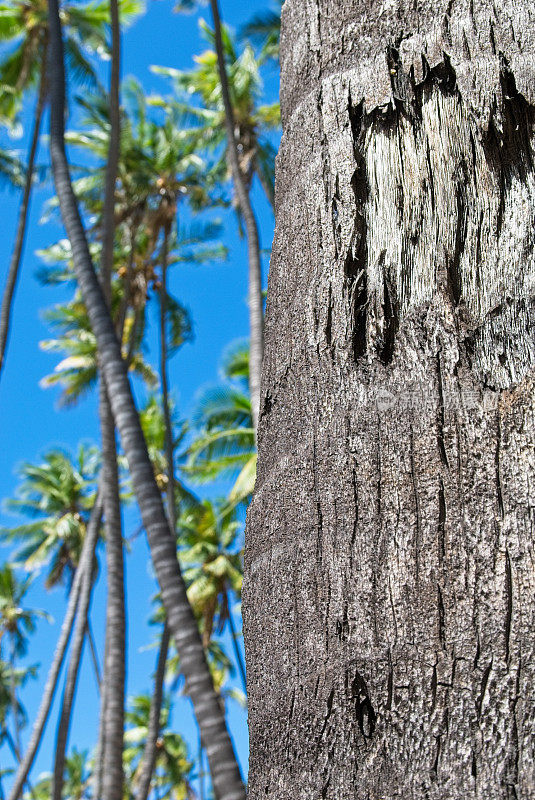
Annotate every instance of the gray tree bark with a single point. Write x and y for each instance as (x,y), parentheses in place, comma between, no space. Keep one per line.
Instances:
(389,597)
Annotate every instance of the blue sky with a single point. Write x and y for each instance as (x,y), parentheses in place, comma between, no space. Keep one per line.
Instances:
(31,422)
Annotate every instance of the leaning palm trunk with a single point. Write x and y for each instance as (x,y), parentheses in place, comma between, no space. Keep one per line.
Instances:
(114,667)
(256,315)
(112,720)
(225,771)
(76,653)
(153,731)
(53,674)
(14,264)
(149,754)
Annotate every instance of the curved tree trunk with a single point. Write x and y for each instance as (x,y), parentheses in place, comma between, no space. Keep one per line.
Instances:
(14,264)
(153,729)
(53,673)
(78,639)
(94,654)
(115,649)
(389,597)
(225,771)
(256,311)
(149,755)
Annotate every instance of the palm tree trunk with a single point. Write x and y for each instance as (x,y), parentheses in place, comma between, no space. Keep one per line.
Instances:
(108,215)
(225,771)
(256,311)
(114,667)
(76,653)
(53,673)
(149,755)
(153,730)
(14,264)
(94,654)
(16,755)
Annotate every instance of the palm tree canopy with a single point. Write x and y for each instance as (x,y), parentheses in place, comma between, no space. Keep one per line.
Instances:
(173,768)
(24,35)
(16,620)
(253,121)
(224,444)
(57,495)
(77,371)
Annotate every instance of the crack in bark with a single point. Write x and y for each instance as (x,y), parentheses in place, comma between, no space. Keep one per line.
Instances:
(365,712)
(356,257)
(484,682)
(508,604)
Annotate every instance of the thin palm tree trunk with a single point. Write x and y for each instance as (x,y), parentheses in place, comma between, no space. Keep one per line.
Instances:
(94,654)
(79,635)
(237,652)
(53,673)
(153,730)
(16,755)
(115,665)
(256,311)
(14,264)
(226,777)
(149,754)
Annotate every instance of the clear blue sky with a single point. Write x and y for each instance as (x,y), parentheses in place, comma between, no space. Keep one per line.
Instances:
(31,422)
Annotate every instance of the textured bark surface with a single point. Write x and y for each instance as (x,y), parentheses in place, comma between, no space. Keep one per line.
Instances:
(389,598)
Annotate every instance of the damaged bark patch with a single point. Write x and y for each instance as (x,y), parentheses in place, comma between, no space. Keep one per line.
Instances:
(390,325)
(356,258)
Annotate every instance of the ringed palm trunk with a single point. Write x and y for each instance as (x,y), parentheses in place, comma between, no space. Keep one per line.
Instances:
(153,728)
(149,755)
(79,637)
(225,771)
(49,691)
(14,264)
(256,312)
(115,649)
(389,592)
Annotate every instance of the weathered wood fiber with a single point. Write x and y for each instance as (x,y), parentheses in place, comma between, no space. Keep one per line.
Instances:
(389,601)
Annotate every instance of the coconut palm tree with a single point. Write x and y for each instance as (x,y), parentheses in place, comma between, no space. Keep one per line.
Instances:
(57,495)
(173,768)
(77,372)
(253,120)
(77,783)
(225,772)
(10,677)
(223,443)
(85,566)
(16,623)
(245,156)
(211,557)
(71,679)
(24,31)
